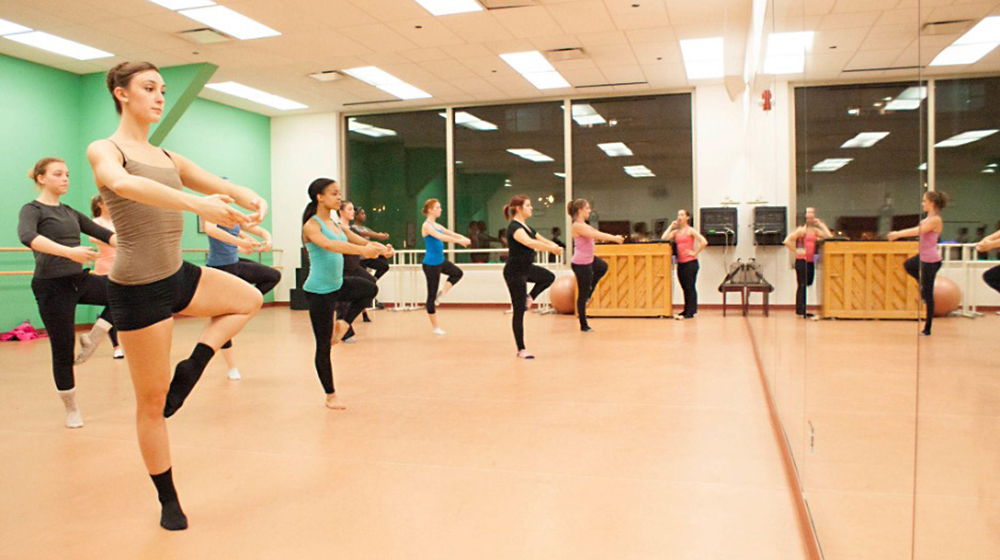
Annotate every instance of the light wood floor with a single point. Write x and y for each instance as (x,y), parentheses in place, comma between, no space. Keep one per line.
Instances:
(644,439)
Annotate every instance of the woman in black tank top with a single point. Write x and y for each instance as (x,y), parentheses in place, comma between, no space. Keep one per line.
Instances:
(522,242)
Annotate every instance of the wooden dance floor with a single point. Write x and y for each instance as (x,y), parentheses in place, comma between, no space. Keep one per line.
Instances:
(644,439)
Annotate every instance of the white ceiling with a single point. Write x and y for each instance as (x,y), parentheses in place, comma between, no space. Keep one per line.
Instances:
(455,58)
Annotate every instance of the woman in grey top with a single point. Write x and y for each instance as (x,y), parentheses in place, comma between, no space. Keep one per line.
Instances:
(142,188)
(52,230)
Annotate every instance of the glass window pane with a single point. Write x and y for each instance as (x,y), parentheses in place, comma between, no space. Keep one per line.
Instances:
(632,159)
(488,173)
(394,163)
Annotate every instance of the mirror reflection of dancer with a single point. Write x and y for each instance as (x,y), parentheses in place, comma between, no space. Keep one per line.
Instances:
(379,264)
(354,266)
(521,268)
(142,186)
(802,242)
(925,266)
(224,248)
(685,236)
(991,276)
(52,230)
(102,267)
(587,268)
(326,287)
(435,236)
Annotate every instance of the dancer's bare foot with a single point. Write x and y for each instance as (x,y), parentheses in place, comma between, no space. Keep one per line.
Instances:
(333,402)
(340,328)
(524,354)
(529,302)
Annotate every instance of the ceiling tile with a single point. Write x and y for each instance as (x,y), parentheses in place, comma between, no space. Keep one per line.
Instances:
(383,60)
(534,21)
(657,53)
(582,17)
(469,51)
(448,70)
(653,35)
(585,77)
(889,37)
(510,46)
(636,21)
(624,74)
(845,40)
(477,27)
(428,32)
(851,6)
(612,56)
(389,10)
(873,59)
(603,38)
(379,38)
(476,86)
(849,20)
(554,42)
(488,66)
(426,55)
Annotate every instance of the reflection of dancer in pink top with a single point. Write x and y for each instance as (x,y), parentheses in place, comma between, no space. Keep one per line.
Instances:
(925,266)
(802,242)
(102,266)
(588,269)
(684,235)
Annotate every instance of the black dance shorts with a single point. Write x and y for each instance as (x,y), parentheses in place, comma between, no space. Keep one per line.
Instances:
(137,307)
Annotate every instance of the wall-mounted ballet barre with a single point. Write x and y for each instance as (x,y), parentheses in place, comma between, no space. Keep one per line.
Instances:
(260,257)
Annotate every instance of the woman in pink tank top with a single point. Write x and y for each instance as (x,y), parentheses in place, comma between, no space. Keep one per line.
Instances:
(102,266)
(685,236)
(802,243)
(925,266)
(588,269)
(991,276)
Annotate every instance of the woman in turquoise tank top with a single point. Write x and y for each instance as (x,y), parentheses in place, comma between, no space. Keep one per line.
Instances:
(326,287)
(435,264)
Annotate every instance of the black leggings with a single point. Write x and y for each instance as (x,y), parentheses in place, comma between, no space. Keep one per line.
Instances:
(344,307)
(992,277)
(924,273)
(57,300)
(587,278)
(805,274)
(355,292)
(263,277)
(517,278)
(379,264)
(687,275)
(433,274)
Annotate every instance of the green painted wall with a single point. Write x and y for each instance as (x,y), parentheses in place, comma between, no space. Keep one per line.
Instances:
(46,112)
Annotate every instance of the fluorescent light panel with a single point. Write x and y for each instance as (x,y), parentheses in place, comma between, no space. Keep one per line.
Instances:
(230,22)
(369,130)
(387,82)
(58,45)
(448,7)
(703,58)
(965,138)
(909,100)
(533,66)
(830,165)
(638,171)
(973,45)
(615,149)
(864,140)
(585,115)
(183,4)
(9,27)
(256,95)
(560,175)
(468,120)
(529,154)
(786,52)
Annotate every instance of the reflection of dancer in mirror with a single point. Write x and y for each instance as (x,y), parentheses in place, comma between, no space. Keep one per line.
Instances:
(354,266)
(802,242)
(681,232)
(379,264)
(991,276)
(435,236)
(224,248)
(925,266)
(588,269)
(102,267)
(521,268)
(52,230)
(142,186)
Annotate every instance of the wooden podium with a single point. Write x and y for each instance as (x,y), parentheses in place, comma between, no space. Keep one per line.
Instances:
(866,280)
(637,284)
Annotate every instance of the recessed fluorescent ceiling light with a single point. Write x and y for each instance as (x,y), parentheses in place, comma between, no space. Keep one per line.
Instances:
(560,175)
(256,95)
(786,52)
(530,154)
(972,46)
(615,149)
(965,138)
(864,140)
(830,165)
(448,7)
(922,167)
(638,171)
(387,82)
(58,45)
(989,170)
(468,120)
(703,58)
(908,100)
(8,27)
(585,115)
(369,130)
(183,4)
(536,69)
(230,22)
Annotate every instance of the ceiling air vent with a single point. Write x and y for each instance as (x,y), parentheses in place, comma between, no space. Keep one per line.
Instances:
(559,55)
(948,27)
(327,76)
(204,36)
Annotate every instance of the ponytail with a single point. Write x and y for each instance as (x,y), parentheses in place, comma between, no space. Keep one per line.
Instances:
(512,206)
(574,208)
(316,188)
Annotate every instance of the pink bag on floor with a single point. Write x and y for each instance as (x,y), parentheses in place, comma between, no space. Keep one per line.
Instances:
(24,331)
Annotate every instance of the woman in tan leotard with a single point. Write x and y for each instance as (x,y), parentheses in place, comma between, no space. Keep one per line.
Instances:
(142,188)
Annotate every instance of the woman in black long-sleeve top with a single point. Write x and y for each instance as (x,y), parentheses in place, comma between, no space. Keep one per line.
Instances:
(52,230)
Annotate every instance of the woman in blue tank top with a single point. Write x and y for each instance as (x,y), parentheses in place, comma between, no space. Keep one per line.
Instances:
(326,287)
(435,236)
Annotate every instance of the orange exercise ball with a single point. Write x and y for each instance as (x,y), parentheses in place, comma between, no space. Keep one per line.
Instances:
(562,294)
(947,296)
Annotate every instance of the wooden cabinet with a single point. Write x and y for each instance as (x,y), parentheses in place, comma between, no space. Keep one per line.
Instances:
(866,280)
(637,284)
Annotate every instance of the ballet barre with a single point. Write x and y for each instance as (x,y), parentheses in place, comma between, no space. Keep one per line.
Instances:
(279,252)
(972,269)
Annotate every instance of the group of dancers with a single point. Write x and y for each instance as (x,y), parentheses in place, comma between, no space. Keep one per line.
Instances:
(141,280)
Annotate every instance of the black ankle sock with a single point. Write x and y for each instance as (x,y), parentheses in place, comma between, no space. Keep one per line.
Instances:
(586,328)
(172,517)
(228,344)
(186,375)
